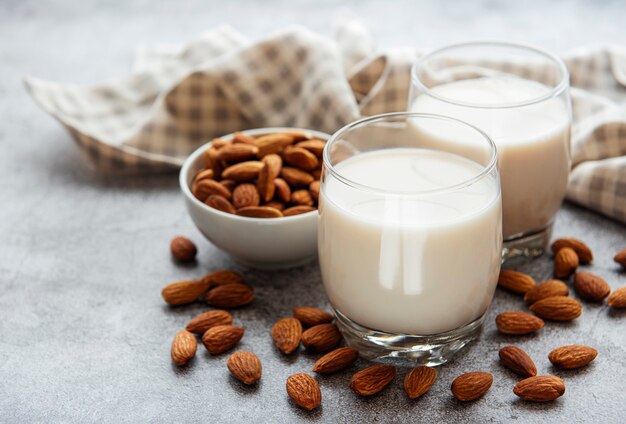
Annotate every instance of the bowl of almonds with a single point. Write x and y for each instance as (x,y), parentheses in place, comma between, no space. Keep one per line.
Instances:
(254,194)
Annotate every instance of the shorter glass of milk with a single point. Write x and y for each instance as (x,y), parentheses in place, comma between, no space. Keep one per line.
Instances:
(410,235)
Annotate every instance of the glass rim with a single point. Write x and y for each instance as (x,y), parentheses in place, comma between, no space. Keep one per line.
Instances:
(486,169)
(554,92)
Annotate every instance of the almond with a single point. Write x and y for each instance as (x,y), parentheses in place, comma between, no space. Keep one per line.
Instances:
(201,323)
(183,249)
(219,143)
(548,288)
(304,391)
(230,296)
(317,174)
(297,210)
(302,198)
(572,356)
(183,292)
(223,277)
(237,152)
(514,281)
(211,161)
(286,334)
(220,203)
(271,169)
(541,388)
(296,177)
(314,146)
(314,188)
(246,195)
(617,299)
(518,323)
(243,138)
(299,135)
(419,380)
(243,171)
(310,316)
(259,212)
(207,187)
(273,143)
(300,158)
(591,287)
(557,308)
(336,360)
(283,191)
(229,184)
(221,338)
(245,367)
(278,205)
(517,361)
(183,347)
(565,262)
(471,385)
(372,380)
(321,338)
(204,174)
(583,251)
(620,258)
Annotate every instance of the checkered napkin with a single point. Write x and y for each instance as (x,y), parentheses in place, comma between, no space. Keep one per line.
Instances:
(179,97)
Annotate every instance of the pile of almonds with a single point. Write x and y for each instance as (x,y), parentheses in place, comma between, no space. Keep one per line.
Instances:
(269,176)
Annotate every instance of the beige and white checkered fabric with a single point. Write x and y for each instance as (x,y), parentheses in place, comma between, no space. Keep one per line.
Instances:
(179,97)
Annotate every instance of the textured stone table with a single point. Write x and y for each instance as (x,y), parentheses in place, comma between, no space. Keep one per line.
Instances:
(84,334)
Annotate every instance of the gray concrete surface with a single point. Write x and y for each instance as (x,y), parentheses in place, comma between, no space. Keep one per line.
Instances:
(84,335)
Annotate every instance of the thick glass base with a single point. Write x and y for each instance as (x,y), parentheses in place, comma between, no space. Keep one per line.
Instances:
(529,245)
(405,349)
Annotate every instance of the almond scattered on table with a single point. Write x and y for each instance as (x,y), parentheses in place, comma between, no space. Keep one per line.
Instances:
(245,367)
(541,388)
(372,380)
(617,299)
(565,262)
(583,251)
(201,323)
(230,296)
(518,323)
(304,391)
(336,360)
(515,281)
(557,308)
(321,338)
(548,288)
(620,258)
(572,356)
(471,386)
(221,338)
(419,380)
(184,292)
(517,361)
(286,334)
(591,287)
(183,249)
(223,277)
(310,316)
(183,347)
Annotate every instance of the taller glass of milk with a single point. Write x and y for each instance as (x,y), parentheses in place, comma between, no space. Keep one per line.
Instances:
(519,96)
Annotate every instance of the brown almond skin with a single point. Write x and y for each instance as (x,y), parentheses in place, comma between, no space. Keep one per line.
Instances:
(517,361)
(557,308)
(276,204)
(541,388)
(372,380)
(591,287)
(314,189)
(314,146)
(219,143)
(617,299)
(296,177)
(310,316)
(620,258)
(243,138)
(298,210)
(183,347)
(336,360)
(565,262)
(583,251)
(204,174)
(212,161)
(230,296)
(183,249)
(246,195)
(243,171)
(207,187)
(245,367)
(516,282)
(263,212)
(419,380)
(223,277)
(184,292)
(572,356)
(286,334)
(548,288)
(273,143)
(283,191)
(265,185)
(201,323)
(237,152)
(518,323)
(220,203)
(321,338)
(300,158)
(221,338)
(302,197)
(304,391)
(471,386)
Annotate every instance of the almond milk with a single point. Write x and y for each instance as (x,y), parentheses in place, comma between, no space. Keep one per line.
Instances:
(417,264)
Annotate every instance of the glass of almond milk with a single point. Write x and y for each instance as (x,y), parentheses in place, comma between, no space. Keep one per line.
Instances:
(519,96)
(410,235)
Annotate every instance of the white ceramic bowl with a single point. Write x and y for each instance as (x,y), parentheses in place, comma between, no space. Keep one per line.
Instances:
(261,243)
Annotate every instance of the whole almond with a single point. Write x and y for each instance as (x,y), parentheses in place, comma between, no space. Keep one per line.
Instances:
(620,258)
(183,249)
(183,347)
(304,391)
(296,177)
(548,288)
(245,367)
(583,251)
(220,203)
(271,169)
(591,287)
(310,316)
(372,380)
(246,195)
(321,338)
(617,299)
(283,191)
(302,197)
(211,161)
(204,174)
(514,281)
(243,138)
(572,356)
(471,385)
(315,146)
(336,360)
(223,277)
(237,152)
(565,262)
(276,204)
(300,158)
(314,188)
(221,338)
(243,171)
(297,210)
(518,323)
(517,361)
(299,135)
(201,323)
(419,380)
(207,187)
(541,388)
(286,334)
(259,212)
(273,143)
(230,296)
(557,308)
(229,184)
(184,292)
(219,143)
